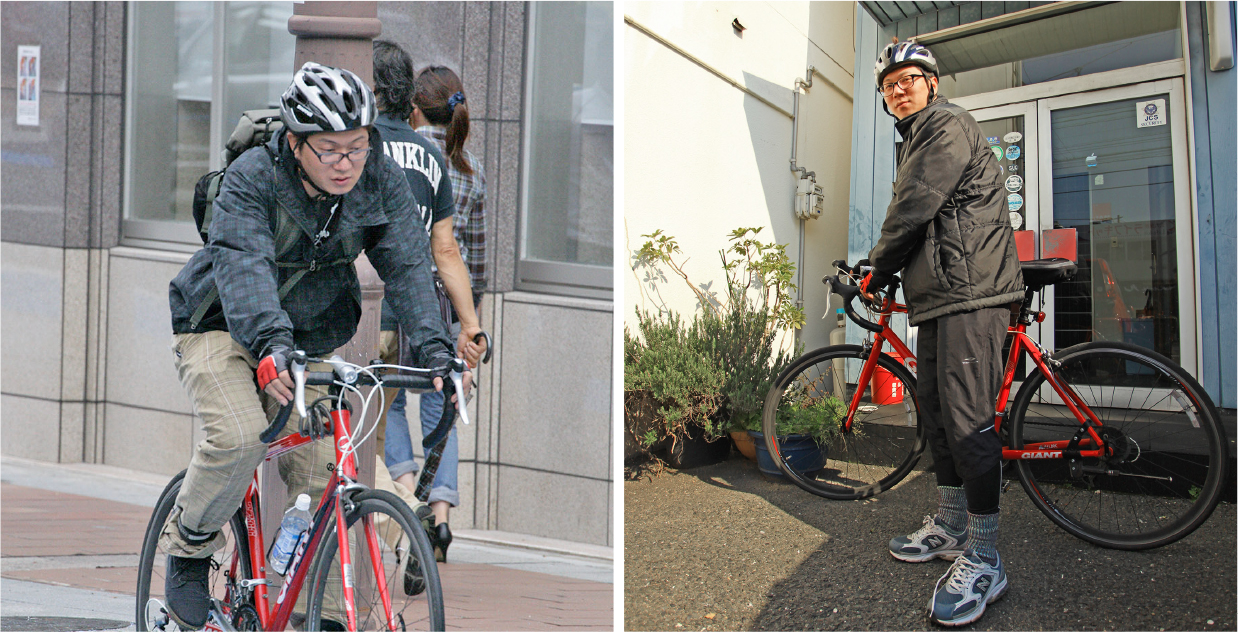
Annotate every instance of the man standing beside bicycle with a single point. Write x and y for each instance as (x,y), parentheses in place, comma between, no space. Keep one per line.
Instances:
(232,356)
(947,231)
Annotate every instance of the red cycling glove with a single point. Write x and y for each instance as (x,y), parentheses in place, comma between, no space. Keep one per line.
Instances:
(269,369)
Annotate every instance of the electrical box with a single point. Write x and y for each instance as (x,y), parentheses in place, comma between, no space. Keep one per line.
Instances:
(809,200)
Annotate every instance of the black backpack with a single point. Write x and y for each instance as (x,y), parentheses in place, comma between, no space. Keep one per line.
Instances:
(255,129)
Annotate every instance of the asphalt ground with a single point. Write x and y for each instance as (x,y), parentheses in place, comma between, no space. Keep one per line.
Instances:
(721,548)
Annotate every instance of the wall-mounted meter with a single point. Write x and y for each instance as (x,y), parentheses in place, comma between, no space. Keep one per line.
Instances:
(809,199)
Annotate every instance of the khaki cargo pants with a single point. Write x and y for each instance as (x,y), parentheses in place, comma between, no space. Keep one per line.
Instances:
(218,374)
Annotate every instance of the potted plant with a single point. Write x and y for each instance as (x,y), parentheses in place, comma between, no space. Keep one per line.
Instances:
(671,393)
(807,423)
(712,375)
(739,330)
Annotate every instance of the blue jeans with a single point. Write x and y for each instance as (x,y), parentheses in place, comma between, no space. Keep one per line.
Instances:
(398,447)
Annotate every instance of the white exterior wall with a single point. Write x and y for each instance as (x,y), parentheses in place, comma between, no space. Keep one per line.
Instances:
(702,157)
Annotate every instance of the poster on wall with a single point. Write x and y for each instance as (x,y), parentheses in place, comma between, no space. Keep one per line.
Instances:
(28,85)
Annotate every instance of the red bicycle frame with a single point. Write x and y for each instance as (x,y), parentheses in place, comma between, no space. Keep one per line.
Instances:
(332,500)
(1022,343)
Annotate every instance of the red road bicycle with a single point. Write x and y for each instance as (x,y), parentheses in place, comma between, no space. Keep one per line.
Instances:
(1113,442)
(389,578)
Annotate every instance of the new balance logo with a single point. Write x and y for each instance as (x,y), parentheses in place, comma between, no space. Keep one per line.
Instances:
(933,542)
(982,584)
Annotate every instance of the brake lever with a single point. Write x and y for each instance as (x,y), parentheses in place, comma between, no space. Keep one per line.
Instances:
(457,378)
(297,364)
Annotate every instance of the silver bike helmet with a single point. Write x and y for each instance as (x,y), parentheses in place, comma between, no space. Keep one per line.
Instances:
(899,54)
(326,99)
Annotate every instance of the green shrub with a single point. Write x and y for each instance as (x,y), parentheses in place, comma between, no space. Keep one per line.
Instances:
(715,372)
(667,373)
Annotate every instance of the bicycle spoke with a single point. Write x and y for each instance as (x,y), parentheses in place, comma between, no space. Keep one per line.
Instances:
(1158,476)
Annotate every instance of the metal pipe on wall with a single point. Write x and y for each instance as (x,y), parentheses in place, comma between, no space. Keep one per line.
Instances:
(805,83)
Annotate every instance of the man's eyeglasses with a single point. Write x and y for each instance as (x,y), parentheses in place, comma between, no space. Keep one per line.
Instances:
(331,157)
(886,89)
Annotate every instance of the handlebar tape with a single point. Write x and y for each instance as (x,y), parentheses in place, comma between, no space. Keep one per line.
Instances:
(434,443)
(848,293)
(277,425)
(489,346)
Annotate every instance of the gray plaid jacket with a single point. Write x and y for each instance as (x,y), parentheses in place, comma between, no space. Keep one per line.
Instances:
(322,310)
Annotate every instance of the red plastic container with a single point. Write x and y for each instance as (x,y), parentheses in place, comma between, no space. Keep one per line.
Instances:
(887,389)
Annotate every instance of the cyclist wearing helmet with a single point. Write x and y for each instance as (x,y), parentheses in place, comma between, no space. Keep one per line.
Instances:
(345,199)
(947,231)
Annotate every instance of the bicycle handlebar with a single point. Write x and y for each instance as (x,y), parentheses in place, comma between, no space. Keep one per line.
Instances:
(848,290)
(348,374)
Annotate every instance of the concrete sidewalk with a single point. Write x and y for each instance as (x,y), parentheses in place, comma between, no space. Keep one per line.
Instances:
(71,533)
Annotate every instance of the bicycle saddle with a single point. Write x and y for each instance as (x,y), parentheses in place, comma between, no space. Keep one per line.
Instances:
(1041,272)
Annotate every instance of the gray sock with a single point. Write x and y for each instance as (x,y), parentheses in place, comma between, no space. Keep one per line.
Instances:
(982,535)
(952,508)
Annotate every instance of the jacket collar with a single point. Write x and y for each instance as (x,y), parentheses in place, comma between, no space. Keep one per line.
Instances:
(904,126)
(359,207)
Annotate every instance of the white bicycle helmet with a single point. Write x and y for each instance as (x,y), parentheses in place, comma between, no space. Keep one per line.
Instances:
(899,54)
(326,99)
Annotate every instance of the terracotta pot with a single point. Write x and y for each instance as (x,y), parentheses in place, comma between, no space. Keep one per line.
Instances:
(744,444)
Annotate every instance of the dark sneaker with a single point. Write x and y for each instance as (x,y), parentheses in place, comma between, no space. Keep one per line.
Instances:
(442,539)
(930,541)
(963,592)
(189,598)
(410,570)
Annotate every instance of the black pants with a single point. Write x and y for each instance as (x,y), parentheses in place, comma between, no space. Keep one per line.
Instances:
(959,375)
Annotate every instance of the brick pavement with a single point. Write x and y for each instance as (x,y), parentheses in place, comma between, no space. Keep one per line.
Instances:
(69,540)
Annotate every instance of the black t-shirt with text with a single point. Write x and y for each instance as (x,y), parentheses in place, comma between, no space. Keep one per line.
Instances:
(425,169)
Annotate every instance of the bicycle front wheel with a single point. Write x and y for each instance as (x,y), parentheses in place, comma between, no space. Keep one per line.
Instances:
(229,566)
(400,537)
(1160,474)
(811,397)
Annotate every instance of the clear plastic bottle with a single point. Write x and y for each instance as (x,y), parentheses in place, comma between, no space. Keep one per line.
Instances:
(296,521)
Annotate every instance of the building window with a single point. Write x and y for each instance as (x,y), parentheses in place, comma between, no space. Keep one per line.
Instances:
(193,68)
(567,210)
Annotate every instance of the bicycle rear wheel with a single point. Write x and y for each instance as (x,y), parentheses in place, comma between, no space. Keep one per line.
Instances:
(1161,474)
(228,566)
(400,534)
(883,445)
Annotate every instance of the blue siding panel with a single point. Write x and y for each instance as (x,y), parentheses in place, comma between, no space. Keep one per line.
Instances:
(872,154)
(1214,112)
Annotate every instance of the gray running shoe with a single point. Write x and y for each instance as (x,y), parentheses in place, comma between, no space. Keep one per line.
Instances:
(930,541)
(963,592)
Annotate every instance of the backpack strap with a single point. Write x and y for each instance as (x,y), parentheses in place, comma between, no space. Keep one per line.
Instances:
(287,233)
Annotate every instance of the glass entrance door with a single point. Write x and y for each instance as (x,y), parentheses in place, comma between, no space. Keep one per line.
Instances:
(1113,167)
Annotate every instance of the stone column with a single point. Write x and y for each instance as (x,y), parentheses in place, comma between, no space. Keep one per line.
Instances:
(338,34)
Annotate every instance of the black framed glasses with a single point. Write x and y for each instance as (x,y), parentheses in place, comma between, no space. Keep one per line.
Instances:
(331,157)
(886,89)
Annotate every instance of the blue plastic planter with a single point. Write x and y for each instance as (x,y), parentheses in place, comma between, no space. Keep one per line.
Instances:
(802,453)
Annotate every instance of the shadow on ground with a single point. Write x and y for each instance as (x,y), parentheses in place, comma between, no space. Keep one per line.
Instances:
(720,547)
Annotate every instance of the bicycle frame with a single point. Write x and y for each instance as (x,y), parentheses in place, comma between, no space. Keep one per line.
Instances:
(333,499)
(1021,344)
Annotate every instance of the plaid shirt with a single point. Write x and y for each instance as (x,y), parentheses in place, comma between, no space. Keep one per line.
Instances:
(322,310)
(470,221)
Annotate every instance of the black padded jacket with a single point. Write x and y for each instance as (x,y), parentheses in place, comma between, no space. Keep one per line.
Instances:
(947,229)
